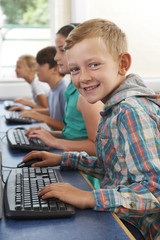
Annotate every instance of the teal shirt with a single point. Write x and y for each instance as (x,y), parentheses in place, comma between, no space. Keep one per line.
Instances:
(74,123)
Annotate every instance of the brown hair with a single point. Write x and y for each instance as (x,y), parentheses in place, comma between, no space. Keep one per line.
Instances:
(110,33)
(65,30)
(46,55)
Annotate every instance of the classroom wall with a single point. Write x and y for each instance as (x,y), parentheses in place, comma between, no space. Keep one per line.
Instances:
(12,90)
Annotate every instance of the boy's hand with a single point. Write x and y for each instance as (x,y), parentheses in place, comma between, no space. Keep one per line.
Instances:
(29,131)
(48,159)
(18,108)
(32,114)
(69,194)
(22,101)
(44,136)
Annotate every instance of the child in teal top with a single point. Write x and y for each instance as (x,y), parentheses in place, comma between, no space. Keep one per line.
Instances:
(81,118)
(74,123)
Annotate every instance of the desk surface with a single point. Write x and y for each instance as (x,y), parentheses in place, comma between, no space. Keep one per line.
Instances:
(86,224)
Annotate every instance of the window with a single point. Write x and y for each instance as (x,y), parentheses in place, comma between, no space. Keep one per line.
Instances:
(25,30)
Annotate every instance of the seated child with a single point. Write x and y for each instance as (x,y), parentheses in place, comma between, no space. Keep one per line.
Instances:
(48,71)
(128,137)
(26,68)
(80,119)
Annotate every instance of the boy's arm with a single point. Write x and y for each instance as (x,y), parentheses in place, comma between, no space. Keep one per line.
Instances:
(42,100)
(91,115)
(42,111)
(90,165)
(138,191)
(23,101)
(64,191)
(135,198)
(57,125)
(64,144)
(70,194)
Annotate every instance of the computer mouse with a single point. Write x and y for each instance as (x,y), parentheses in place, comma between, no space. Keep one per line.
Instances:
(29,163)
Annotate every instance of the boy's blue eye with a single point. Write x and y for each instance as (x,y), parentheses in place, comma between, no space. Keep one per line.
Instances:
(94,64)
(73,70)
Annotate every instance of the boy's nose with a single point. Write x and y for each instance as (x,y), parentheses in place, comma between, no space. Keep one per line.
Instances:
(56,57)
(84,76)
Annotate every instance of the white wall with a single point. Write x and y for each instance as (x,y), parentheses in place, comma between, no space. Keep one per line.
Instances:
(80,10)
(12,90)
(60,15)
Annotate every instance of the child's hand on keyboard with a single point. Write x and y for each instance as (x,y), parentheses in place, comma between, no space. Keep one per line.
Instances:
(30,130)
(23,101)
(48,159)
(19,108)
(32,114)
(69,194)
(47,138)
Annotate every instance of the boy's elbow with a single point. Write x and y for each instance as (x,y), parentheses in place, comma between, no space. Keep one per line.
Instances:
(91,148)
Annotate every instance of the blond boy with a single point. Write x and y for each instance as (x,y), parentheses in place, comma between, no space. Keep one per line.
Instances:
(128,138)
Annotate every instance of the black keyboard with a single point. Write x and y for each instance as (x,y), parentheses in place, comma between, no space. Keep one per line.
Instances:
(9,103)
(14,117)
(21,199)
(17,139)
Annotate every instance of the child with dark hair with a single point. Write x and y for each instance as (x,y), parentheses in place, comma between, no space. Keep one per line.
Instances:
(80,118)
(48,71)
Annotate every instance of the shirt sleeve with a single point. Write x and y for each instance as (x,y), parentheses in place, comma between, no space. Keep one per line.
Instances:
(138,141)
(83,162)
(37,88)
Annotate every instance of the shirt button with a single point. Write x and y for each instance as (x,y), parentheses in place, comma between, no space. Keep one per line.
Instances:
(132,204)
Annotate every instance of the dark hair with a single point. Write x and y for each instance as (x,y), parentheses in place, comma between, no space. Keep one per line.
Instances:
(65,30)
(46,55)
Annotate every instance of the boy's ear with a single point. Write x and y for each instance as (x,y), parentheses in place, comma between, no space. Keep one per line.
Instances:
(56,69)
(124,63)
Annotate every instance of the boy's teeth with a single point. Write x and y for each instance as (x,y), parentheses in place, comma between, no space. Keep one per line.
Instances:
(89,88)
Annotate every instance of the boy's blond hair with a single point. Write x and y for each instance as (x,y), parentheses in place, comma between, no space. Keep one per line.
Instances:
(110,33)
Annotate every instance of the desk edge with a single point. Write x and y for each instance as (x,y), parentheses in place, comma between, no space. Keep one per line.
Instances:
(112,213)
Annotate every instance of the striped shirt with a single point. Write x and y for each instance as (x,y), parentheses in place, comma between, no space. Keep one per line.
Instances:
(127,157)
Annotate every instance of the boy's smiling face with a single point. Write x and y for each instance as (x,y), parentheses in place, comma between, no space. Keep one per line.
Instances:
(94,71)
